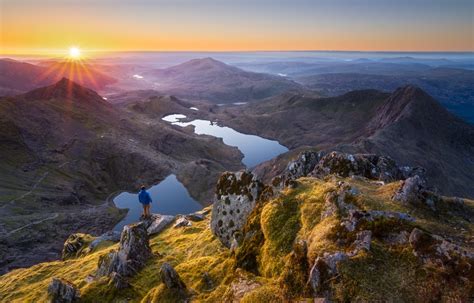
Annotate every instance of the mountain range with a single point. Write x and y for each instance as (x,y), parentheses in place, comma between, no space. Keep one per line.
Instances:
(407,125)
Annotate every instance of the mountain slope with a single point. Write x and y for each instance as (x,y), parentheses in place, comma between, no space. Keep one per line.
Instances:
(65,150)
(407,125)
(17,77)
(218,82)
(341,239)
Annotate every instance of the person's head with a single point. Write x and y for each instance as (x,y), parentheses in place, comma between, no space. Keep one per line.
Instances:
(143,187)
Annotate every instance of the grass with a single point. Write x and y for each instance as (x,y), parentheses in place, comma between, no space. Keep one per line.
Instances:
(281,267)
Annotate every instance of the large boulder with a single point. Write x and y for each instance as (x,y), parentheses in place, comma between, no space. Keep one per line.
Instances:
(236,197)
(62,291)
(134,251)
(366,165)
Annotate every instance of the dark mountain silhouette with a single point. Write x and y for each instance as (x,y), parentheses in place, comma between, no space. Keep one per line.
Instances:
(17,77)
(218,82)
(408,125)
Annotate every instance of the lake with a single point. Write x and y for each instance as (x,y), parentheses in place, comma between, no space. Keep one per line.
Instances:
(170,197)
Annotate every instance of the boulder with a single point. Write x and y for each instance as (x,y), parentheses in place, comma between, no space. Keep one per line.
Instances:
(74,244)
(195,217)
(411,191)
(182,222)
(236,197)
(157,223)
(171,279)
(134,250)
(62,291)
(324,268)
(366,165)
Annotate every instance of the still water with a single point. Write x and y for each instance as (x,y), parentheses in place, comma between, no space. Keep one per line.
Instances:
(170,197)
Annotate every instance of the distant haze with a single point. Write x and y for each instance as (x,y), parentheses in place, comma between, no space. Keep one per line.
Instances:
(31,26)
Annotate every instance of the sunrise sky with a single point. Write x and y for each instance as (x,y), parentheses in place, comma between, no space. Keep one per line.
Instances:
(49,26)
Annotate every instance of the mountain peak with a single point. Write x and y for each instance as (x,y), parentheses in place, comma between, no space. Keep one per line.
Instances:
(64,89)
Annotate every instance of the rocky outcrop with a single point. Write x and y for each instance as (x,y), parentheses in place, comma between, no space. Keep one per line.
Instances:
(74,244)
(157,223)
(62,291)
(171,279)
(324,268)
(366,165)
(134,250)
(436,250)
(236,197)
(300,167)
(411,191)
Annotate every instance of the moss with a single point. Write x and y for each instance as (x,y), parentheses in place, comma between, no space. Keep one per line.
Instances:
(264,294)
(294,278)
(394,276)
(280,224)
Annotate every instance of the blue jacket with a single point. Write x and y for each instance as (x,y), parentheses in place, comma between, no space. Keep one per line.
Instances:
(144,197)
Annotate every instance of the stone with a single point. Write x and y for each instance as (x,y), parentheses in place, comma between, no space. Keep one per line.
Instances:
(73,245)
(243,283)
(157,223)
(324,268)
(171,279)
(236,197)
(62,291)
(410,191)
(356,217)
(370,166)
(436,250)
(182,222)
(362,242)
(113,236)
(300,167)
(195,217)
(134,250)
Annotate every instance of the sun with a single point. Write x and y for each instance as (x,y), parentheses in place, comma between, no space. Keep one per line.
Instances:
(74,52)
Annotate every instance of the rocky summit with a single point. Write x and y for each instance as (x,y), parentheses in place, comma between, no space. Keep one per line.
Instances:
(342,227)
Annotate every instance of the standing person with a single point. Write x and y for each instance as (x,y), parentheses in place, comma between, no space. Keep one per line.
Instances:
(145,199)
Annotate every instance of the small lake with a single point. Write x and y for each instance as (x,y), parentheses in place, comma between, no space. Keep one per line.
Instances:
(255,149)
(170,197)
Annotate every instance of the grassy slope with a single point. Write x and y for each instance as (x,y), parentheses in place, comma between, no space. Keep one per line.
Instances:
(386,273)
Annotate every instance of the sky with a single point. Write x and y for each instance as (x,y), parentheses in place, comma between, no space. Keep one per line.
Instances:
(49,26)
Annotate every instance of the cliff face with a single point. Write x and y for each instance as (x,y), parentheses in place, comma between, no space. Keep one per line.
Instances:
(328,228)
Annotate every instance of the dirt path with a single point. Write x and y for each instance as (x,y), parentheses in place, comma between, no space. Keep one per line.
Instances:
(54,216)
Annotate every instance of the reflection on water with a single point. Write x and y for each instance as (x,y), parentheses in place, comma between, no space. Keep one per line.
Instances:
(170,197)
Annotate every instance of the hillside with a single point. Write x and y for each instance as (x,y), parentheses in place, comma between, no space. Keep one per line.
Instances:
(407,125)
(340,236)
(18,77)
(65,150)
(209,79)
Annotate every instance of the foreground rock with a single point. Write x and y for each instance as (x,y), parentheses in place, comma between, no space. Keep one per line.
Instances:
(157,223)
(300,167)
(62,291)
(236,196)
(134,251)
(74,244)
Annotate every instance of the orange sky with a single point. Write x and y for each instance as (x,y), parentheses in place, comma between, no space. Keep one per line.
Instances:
(52,26)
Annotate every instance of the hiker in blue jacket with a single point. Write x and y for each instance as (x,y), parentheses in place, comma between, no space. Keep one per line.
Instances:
(145,199)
